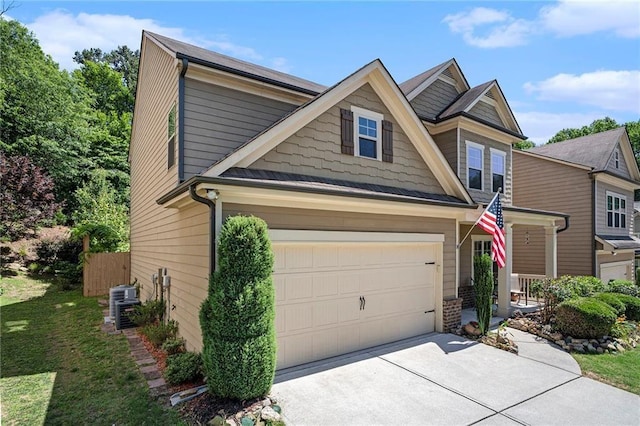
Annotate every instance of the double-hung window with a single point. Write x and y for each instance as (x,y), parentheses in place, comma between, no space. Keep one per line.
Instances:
(616,210)
(475,163)
(497,169)
(171,137)
(368,133)
(616,158)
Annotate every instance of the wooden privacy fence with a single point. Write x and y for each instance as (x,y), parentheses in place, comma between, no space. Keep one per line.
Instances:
(102,271)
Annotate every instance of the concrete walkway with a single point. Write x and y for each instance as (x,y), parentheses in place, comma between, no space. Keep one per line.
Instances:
(442,379)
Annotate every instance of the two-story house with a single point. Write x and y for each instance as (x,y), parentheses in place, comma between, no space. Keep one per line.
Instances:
(367,187)
(592,178)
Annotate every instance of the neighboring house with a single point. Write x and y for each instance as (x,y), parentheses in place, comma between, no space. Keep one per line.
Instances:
(592,178)
(358,183)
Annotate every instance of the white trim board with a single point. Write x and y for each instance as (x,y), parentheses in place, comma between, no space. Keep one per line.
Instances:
(302,236)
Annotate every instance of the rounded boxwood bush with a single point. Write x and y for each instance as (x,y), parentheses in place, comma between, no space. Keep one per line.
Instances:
(612,300)
(632,306)
(237,318)
(183,367)
(585,317)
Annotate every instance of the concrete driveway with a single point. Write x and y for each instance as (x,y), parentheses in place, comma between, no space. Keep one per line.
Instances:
(443,379)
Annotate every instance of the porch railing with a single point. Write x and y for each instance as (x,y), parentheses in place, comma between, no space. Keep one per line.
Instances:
(522,283)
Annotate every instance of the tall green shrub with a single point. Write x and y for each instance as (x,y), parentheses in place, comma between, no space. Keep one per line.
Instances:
(237,318)
(483,286)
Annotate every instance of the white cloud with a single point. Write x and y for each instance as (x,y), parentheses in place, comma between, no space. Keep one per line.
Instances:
(542,126)
(609,90)
(570,18)
(490,28)
(61,34)
(280,64)
(504,30)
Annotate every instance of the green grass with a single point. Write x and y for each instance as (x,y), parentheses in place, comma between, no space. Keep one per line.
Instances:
(59,367)
(621,370)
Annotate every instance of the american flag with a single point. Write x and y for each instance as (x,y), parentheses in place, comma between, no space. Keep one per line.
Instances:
(493,223)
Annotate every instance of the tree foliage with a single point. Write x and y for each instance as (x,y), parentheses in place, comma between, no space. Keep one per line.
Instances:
(26,199)
(237,318)
(524,145)
(101,216)
(69,124)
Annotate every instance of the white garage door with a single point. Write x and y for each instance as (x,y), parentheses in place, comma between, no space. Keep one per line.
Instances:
(614,271)
(338,292)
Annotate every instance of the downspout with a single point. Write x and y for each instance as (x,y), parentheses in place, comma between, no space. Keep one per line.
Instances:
(212,223)
(593,225)
(183,72)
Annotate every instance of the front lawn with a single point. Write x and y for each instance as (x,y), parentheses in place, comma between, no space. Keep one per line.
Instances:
(59,367)
(621,370)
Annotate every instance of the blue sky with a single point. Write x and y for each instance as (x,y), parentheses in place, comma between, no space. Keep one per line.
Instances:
(560,64)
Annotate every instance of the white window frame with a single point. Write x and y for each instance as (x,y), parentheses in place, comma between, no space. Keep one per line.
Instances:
(474,145)
(371,115)
(503,155)
(615,212)
(474,240)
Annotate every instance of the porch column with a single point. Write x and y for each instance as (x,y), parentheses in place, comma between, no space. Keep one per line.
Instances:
(504,275)
(551,251)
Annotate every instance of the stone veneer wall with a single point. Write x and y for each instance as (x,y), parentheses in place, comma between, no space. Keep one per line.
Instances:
(451,314)
(468,296)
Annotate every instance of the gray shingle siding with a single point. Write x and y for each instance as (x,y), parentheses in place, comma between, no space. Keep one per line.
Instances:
(486,112)
(218,120)
(622,169)
(434,99)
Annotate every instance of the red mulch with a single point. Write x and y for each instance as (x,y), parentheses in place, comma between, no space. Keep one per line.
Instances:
(157,353)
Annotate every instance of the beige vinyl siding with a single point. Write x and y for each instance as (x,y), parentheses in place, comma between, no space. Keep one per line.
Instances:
(285,218)
(622,169)
(486,112)
(601,209)
(547,185)
(315,150)
(434,99)
(161,237)
(487,193)
(218,120)
(448,144)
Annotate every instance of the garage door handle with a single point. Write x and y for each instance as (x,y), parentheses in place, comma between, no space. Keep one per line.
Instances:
(361,302)
(364,303)
(429,263)
(428,312)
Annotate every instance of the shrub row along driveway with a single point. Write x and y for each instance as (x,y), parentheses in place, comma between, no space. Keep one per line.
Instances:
(446,379)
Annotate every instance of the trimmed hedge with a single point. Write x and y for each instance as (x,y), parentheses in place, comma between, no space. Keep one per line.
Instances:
(585,317)
(483,289)
(612,300)
(632,306)
(624,287)
(183,367)
(237,318)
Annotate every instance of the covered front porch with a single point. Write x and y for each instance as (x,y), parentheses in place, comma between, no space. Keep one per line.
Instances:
(513,288)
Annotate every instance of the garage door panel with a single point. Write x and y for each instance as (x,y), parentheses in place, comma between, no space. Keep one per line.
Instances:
(319,313)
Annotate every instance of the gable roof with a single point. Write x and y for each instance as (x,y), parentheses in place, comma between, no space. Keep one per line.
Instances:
(471,97)
(593,150)
(466,101)
(233,65)
(416,85)
(383,84)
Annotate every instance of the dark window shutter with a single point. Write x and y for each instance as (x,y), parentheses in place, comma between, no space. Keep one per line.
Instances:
(387,141)
(346,130)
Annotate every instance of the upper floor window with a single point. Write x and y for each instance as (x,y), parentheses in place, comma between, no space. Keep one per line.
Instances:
(171,137)
(475,163)
(498,170)
(368,131)
(616,210)
(616,158)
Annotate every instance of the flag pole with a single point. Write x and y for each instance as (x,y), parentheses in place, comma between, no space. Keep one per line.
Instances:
(477,220)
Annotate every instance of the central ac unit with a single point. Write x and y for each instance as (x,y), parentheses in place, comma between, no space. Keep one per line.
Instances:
(121,292)
(123,308)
